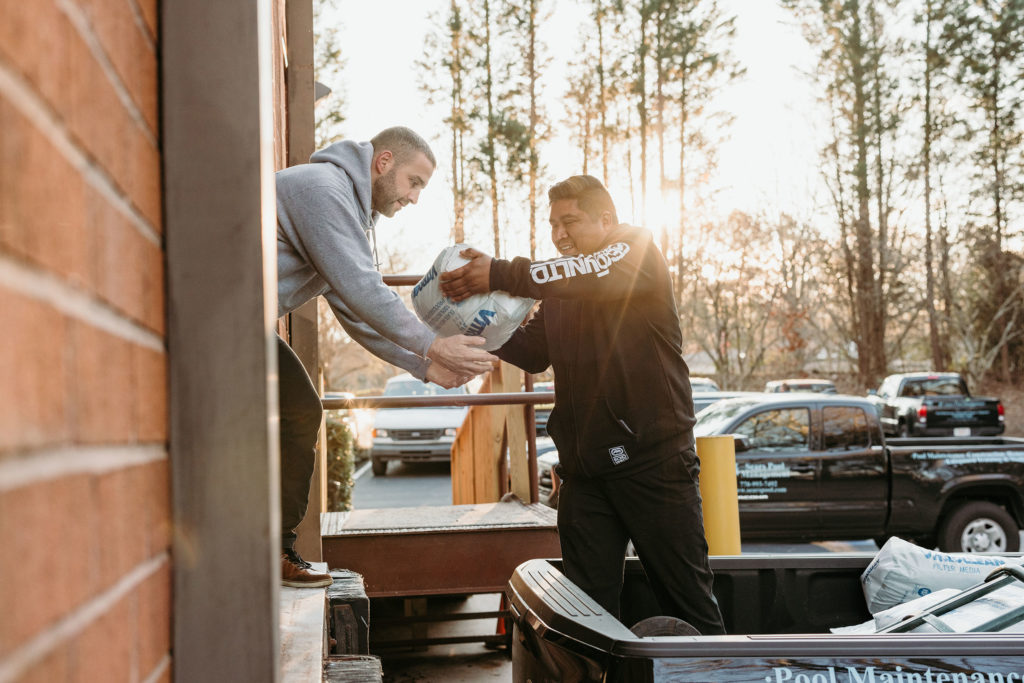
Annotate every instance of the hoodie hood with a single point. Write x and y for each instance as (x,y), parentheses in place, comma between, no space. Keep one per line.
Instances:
(354,158)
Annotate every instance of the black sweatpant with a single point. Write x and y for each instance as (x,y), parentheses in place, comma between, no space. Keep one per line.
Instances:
(660,510)
(301,413)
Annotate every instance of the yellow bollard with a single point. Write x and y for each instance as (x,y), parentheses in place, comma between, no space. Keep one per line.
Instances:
(720,505)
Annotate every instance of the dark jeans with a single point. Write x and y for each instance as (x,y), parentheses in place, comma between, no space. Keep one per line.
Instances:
(659,509)
(301,412)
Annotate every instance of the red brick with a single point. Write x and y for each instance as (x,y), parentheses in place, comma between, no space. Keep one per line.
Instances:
(154,620)
(106,646)
(34,405)
(60,66)
(49,526)
(121,536)
(56,665)
(102,388)
(124,43)
(82,238)
(150,394)
(158,508)
(33,225)
(147,8)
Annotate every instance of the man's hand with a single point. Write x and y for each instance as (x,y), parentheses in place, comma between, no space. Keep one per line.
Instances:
(472,278)
(439,374)
(461,355)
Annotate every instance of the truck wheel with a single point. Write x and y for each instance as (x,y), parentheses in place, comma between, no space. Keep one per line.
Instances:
(379,467)
(979,527)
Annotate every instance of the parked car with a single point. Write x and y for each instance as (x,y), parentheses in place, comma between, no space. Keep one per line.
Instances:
(703,384)
(815,467)
(818,386)
(547,460)
(702,400)
(935,404)
(422,434)
(541,411)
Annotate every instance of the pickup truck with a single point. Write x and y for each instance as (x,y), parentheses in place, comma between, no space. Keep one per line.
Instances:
(778,612)
(935,404)
(817,467)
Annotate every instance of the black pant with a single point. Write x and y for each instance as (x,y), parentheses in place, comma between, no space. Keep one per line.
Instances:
(660,510)
(301,413)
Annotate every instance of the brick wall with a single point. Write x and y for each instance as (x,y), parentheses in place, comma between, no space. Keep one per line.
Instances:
(85,572)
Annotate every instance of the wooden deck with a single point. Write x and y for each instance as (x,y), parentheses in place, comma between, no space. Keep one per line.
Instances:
(438,550)
(303,627)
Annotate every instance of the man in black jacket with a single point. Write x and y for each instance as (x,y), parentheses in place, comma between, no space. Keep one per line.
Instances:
(623,415)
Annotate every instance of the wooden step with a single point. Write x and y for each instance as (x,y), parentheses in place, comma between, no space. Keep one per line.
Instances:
(439,550)
(303,629)
(353,669)
(349,614)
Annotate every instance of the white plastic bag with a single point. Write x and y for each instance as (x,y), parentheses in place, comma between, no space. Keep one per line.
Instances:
(902,571)
(493,316)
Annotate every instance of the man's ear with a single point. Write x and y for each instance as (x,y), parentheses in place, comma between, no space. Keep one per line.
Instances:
(607,222)
(383,162)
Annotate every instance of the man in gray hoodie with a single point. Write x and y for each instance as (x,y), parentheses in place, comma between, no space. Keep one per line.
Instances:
(326,213)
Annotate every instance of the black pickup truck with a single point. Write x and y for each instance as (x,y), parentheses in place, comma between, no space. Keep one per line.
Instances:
(816,467)
(778,612)
(935,404)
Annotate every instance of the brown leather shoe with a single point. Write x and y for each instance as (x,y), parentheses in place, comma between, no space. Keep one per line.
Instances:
(297,573)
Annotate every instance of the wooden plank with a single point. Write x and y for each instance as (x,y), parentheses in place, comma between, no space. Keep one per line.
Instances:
(515,424)
(219,230)
(462,464)
(303,616)
(459,549)
(405,520)
(486,443)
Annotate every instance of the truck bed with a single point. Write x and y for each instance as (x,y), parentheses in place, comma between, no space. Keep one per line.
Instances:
(778,610)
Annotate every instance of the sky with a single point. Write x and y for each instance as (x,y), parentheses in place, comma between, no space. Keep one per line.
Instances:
(770,158)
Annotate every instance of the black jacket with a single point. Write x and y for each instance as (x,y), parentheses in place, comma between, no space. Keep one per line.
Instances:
(608,326)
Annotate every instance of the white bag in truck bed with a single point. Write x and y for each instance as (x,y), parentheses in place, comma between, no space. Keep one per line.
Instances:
(902,571)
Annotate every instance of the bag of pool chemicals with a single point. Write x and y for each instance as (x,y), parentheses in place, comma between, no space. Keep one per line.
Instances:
(902,571)
(493,316)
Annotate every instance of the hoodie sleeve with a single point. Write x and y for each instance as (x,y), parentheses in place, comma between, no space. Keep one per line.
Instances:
(623,268)
(328,226)
(386,350)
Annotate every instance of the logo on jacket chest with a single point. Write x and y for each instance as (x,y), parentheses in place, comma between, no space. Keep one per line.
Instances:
(572,266)
(618,454)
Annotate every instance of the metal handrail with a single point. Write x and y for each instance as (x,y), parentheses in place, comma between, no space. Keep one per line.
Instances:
(459,400)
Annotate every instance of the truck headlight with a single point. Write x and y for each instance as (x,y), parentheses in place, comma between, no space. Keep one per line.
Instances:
(450,431)
(380,433)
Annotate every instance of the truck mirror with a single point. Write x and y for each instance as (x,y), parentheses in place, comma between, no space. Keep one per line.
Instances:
(741,443)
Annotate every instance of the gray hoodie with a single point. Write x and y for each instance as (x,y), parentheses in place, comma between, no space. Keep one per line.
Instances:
(323,222)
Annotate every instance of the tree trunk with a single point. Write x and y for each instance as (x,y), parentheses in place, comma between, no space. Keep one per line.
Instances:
(867,336)
(458,179)
(531,58)
(935,339)
(642,108)
(492,162)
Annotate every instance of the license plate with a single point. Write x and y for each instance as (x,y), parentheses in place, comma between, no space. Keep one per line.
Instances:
(961,431)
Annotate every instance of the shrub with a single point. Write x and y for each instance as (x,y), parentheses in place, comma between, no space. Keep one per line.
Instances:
(340,465)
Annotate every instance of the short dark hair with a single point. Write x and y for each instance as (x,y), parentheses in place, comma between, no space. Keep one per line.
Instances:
(402,142)
(589,193)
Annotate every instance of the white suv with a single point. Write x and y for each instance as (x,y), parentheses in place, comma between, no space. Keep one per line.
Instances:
(423,434)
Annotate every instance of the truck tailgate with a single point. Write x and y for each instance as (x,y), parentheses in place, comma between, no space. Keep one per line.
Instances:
(563,635)
(961,411)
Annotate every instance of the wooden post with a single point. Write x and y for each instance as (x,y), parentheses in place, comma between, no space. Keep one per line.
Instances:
(478,451)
